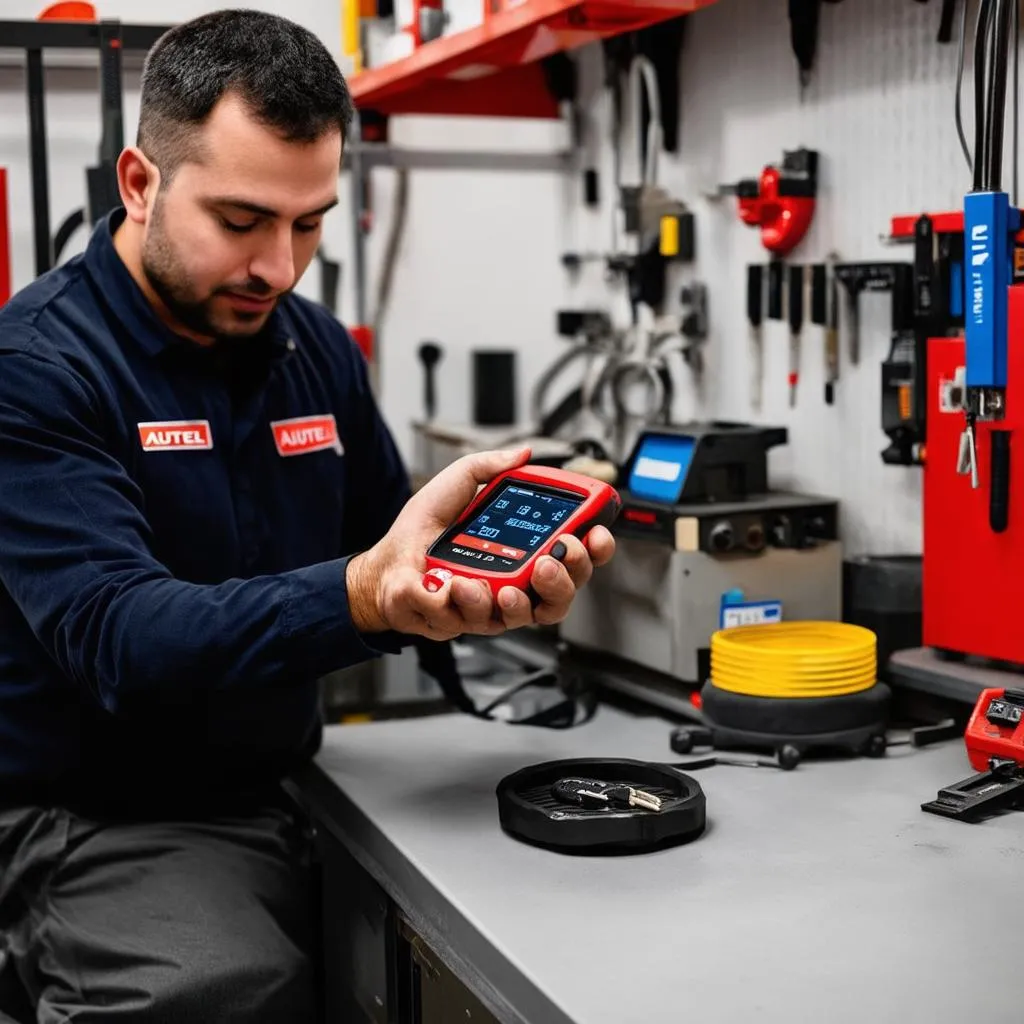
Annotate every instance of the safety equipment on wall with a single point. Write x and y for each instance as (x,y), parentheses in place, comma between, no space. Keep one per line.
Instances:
(780,203)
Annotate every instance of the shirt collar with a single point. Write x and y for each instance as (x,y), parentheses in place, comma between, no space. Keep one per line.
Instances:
(130,305)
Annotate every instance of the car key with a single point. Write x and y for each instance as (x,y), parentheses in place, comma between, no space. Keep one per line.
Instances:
(582,792)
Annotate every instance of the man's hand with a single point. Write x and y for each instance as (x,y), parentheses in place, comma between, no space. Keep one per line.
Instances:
(385,584)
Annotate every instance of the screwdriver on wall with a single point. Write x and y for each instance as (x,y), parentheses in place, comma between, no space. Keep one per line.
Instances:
(832,330)
(823,315)
(755,282)
(775,290)
(796,320)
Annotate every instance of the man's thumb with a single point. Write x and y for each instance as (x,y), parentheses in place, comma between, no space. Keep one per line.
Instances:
(447,494)
(485,466)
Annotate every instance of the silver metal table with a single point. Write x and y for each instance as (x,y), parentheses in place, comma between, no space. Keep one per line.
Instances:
(822,894)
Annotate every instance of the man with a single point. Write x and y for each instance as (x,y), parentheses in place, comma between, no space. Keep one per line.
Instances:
(201,512)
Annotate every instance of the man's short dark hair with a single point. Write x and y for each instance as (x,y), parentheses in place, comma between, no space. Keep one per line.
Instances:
(281,71)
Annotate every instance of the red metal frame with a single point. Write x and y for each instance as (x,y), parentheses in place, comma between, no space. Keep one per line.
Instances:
(417,7)
(493,69)
(949,222)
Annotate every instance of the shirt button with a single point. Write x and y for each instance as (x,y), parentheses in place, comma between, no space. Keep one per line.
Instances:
(290,345)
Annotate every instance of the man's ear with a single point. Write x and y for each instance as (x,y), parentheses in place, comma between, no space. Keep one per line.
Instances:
(138,179)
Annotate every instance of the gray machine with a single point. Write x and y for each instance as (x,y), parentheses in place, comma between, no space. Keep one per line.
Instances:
(703,544)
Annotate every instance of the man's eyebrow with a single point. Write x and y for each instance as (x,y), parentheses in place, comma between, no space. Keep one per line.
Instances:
(266,211)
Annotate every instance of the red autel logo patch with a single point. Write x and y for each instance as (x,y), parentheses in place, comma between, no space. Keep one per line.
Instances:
(306,434)
(176,436)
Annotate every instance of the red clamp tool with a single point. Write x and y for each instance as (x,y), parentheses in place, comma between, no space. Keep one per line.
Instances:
(995,748)
(781,202)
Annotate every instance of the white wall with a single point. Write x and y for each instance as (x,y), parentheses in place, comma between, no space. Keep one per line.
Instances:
(479,266)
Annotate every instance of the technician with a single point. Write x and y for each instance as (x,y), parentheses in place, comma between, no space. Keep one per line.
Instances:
(201,513)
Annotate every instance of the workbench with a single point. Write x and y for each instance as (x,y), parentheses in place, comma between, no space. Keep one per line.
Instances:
(821,894)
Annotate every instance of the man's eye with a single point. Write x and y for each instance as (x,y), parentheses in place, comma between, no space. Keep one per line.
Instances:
(307,228)
(239,229)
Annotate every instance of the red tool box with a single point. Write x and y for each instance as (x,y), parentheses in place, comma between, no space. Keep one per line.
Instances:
(973,565)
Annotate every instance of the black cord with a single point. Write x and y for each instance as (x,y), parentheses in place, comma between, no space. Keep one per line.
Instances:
(988,73)
(991,47)
(528,680)
(68,227)
(981,27)
(1016,100)
(1007,39)
(991,56)
(997,96)
(958,113)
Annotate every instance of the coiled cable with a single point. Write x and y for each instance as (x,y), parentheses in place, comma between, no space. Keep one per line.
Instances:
(798,659)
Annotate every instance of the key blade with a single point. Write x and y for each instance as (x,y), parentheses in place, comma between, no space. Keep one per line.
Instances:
(650,803)
(641,798)
(963,455)
(973,457)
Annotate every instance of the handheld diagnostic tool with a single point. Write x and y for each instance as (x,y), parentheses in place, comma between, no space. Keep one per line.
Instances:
(995,748)
(519,516)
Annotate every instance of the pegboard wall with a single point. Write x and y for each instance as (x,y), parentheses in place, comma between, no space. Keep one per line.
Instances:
(479,264)
(879,109)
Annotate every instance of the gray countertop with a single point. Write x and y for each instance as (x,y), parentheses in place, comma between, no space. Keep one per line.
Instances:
(820,895)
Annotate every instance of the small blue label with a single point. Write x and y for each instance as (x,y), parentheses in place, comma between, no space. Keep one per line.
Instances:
(989,226)
(749,613)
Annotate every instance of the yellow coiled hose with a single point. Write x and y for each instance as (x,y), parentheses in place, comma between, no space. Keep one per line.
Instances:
(794,659)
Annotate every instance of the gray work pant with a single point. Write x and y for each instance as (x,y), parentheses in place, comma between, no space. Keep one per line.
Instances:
(176,921)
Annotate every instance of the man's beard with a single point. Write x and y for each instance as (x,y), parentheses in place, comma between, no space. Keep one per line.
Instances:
(170,280)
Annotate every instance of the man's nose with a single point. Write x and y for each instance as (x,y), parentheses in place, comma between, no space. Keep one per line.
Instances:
(275,262)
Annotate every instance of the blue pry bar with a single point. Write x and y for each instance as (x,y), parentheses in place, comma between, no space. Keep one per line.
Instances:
(989,226)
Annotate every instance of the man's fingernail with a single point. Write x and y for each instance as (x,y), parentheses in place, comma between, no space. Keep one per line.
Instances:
(470,594)
(547,569)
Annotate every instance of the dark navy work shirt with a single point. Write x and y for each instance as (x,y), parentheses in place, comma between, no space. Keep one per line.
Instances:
(174,526)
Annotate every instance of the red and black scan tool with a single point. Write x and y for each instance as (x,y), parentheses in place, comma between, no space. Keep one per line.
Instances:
(519,516)
(995,748)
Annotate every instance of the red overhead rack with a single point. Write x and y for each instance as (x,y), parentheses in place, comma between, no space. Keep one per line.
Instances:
(493,70)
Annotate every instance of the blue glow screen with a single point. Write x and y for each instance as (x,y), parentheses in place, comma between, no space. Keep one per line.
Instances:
(660,467)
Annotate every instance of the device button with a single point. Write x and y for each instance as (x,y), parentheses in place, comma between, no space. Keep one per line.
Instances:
(1001,712)
(469,541)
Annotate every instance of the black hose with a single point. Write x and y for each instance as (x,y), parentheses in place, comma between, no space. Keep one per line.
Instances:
(997,99)
(1016,104)
(988,92)
(957,111)
(68,227)
(981,28)
(999,494)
